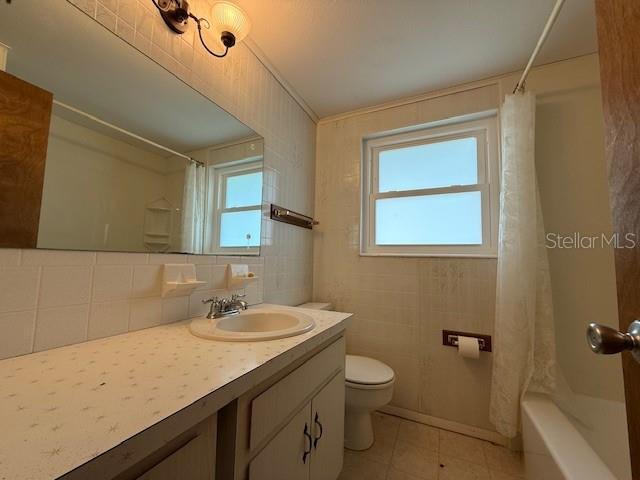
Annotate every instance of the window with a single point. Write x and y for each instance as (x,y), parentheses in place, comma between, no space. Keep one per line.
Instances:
(432,191)
(237,208)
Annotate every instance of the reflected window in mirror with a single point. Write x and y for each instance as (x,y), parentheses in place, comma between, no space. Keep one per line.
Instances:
(237,208)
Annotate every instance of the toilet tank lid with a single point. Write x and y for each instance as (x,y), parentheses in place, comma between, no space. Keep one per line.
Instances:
(366,371)
(317,306)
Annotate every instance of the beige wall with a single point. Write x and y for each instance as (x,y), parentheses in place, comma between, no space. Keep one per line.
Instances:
(402,304)
(119,292)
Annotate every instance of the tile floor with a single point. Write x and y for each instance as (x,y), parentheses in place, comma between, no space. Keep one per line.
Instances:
(406,450)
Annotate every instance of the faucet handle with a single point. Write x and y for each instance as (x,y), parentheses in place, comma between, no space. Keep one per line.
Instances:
(210,300)
(236,296)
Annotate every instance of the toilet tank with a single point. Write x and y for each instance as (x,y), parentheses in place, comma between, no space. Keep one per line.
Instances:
(317,306)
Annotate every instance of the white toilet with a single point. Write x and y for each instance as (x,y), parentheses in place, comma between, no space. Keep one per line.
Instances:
(369,384)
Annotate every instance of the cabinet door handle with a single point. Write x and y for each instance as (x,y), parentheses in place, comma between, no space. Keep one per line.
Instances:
(307,436)
(317,439)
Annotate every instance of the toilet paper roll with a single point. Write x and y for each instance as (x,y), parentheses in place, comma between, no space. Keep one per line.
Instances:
(469,347)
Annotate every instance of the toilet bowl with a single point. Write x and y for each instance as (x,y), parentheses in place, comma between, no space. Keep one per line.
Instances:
(369,386)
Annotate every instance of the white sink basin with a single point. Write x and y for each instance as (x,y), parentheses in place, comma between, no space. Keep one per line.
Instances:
(253,325)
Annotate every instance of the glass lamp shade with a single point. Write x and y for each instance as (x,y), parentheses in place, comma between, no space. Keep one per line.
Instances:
(227,17)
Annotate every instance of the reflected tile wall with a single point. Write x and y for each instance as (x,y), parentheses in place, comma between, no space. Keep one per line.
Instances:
(240,84)
(401,305)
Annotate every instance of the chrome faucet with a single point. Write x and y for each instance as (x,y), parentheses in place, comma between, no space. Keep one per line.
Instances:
(223,307)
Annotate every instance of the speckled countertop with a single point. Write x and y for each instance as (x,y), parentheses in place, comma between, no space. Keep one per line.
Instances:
(60,408)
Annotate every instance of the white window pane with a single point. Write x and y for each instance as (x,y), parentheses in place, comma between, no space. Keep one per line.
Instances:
(244,190)
(240,229)
(447,219)
(441,164)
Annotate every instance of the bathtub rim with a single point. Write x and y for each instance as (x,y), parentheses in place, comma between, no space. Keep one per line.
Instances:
(570,452)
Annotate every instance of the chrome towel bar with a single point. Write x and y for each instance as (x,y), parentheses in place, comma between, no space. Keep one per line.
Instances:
(285,215)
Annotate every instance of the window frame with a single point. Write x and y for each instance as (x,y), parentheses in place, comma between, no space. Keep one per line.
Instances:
(218,175)
(481,126)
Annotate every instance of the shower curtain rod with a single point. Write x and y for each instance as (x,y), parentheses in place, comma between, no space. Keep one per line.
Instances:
(541,40)
(128,133)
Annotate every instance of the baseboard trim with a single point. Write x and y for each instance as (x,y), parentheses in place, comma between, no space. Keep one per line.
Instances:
(481,433)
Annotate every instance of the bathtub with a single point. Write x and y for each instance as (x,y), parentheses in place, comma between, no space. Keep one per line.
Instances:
(554,449)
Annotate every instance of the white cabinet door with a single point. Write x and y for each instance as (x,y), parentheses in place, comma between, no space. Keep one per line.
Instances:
(327,410)
(287,455)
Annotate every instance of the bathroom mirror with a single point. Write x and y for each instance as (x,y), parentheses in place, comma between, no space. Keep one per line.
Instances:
(137,160)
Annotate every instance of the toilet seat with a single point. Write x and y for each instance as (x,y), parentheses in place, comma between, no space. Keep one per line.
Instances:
(367,373)
(364,386)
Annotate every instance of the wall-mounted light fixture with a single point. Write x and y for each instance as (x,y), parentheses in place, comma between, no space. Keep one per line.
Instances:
(228,21)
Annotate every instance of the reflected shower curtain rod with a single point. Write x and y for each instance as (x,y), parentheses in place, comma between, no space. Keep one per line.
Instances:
(128,133)
(543,37)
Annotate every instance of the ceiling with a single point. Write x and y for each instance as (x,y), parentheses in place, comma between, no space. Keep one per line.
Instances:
(92,70)
(340,55)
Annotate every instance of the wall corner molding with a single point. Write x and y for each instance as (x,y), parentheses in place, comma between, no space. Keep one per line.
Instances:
(4,53)
(262,58)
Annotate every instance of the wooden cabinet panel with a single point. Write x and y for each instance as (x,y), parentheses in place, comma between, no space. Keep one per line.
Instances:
(327,410)
(25,113)
(193,461)
(284,456)
(184,442)
(273,406)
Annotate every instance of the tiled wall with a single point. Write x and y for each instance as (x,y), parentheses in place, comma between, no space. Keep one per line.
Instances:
(402,304)
(54,298)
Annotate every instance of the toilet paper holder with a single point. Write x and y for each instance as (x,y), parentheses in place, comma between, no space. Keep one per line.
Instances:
(450,339)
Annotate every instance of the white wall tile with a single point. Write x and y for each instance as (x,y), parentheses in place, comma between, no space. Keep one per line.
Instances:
(118,258)
(17,333)
(108,318)
(147,281)
(61,286)
(60,326)
(112,283)
(18,288)
(57,257)
(145,313)
(127,10)
(175,309)
(218,277)
(9,257)
(162,258)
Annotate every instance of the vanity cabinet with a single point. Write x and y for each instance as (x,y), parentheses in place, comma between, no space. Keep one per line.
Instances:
(328,420)
(290,427)
(310,445)
(287,427)
(286,456)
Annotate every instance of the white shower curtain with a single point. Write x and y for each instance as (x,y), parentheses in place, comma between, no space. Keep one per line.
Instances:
(524,339)
(193,208)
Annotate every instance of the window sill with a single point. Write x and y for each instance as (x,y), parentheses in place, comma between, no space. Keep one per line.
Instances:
(436,255)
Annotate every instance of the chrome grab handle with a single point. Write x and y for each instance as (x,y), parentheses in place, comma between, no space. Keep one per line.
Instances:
(606,340)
